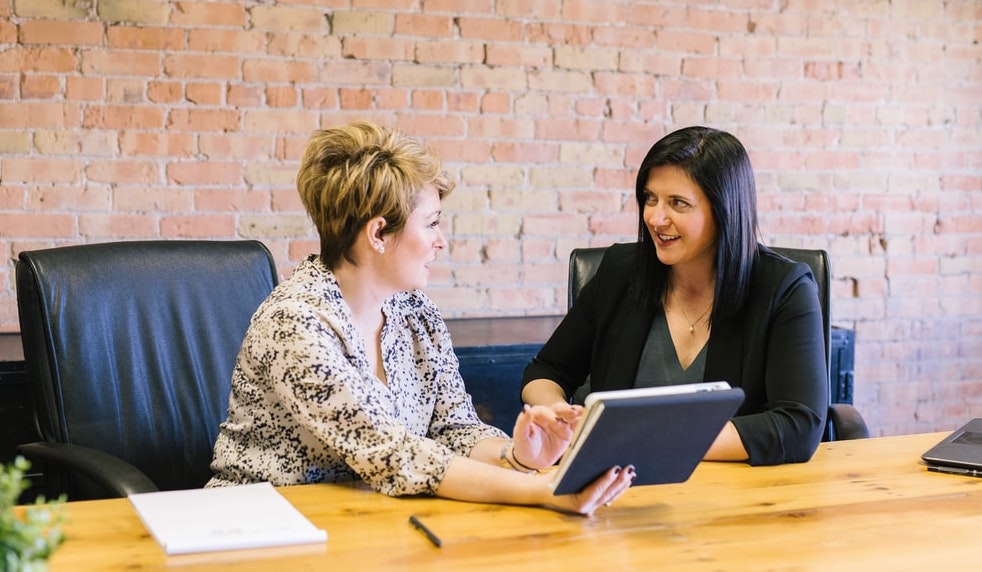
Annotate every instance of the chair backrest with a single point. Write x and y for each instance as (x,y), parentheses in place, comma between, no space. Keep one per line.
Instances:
(129,346)
(583,264)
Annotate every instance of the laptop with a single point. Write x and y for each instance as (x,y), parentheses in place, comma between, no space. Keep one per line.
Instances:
(960,452)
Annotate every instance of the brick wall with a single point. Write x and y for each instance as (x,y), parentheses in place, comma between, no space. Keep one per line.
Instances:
(126,119)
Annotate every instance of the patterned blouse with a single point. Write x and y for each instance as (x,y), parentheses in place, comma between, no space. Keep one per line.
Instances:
(306,406)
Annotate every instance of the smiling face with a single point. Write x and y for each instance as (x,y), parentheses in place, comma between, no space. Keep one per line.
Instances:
(411,251)
(679,218)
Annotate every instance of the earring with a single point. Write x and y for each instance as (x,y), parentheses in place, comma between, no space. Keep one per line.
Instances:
(380,248)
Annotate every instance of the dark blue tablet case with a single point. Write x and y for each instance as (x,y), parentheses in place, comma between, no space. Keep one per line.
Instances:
(663,436)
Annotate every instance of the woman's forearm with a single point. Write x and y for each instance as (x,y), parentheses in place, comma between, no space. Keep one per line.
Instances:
(469,479)
(728,446)
(543,392)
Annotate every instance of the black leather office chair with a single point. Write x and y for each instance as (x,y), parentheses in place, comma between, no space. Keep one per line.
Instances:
(844,421)
(129,348)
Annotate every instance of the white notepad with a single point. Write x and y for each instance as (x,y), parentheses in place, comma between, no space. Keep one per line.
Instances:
(224,518)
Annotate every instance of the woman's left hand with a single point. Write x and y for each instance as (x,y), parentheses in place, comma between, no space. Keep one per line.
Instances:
(542,433)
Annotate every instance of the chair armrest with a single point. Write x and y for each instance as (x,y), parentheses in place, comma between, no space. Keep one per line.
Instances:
(847,422)
(115,475)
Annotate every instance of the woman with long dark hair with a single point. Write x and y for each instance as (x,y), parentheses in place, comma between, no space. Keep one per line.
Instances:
(697,298)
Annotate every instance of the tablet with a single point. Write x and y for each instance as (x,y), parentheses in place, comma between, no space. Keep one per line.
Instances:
(663,431)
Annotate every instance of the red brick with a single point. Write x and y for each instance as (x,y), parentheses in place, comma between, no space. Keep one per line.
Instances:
(125,37)
(238,41)
(84,88)
(502,127)
(288,18)
(73,33)
(532,9)
(279,121)
(321,97)
(635,38)
(549,80)
(518,55)
(197,120)
(496,102)
(425,25)
(203,66)
(156,144)
(446,51)
(204,173)
(231,200)
(202,93)
(123,172)
(718,20)
(593,11)
(46,10)
(90,197)
(244,96)
(457,151)
(105,62)
(567,129)
(692,42)
(355,98)
(530,152)
(459,6)
(9,87)
(286,201)
(358,73)
(490,29)
(40,170)
(236,145)
(38,59)
(203,226)
(164,91)
(532,300)
(36,225)
(124,90)
(296,44)
(40,86)
(282,96)
(372,48)
(563,34)
(267,226)
(465,102)
(190,14)
(656,15)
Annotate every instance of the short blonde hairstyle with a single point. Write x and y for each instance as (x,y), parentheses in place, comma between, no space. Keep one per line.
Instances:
(352,174)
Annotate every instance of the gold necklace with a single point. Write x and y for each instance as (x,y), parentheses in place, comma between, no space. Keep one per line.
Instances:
(692,325)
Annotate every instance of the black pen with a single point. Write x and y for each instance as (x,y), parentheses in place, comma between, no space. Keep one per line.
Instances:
(955,471)
(418,525)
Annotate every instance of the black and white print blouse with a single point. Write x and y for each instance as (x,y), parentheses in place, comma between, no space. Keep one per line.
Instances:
(306,406)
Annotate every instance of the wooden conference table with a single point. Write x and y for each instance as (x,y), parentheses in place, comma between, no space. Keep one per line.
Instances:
(857,505)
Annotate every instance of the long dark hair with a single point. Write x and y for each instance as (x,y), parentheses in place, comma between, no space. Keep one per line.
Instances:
(718,163)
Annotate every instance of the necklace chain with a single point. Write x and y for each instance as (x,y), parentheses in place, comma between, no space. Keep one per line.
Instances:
(692,324)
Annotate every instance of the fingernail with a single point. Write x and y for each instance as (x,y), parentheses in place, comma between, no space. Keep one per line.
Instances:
(617,470)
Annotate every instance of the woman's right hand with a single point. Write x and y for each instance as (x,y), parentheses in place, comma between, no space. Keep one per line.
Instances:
(603,491)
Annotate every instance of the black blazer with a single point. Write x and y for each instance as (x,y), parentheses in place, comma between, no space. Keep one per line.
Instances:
(774,349)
